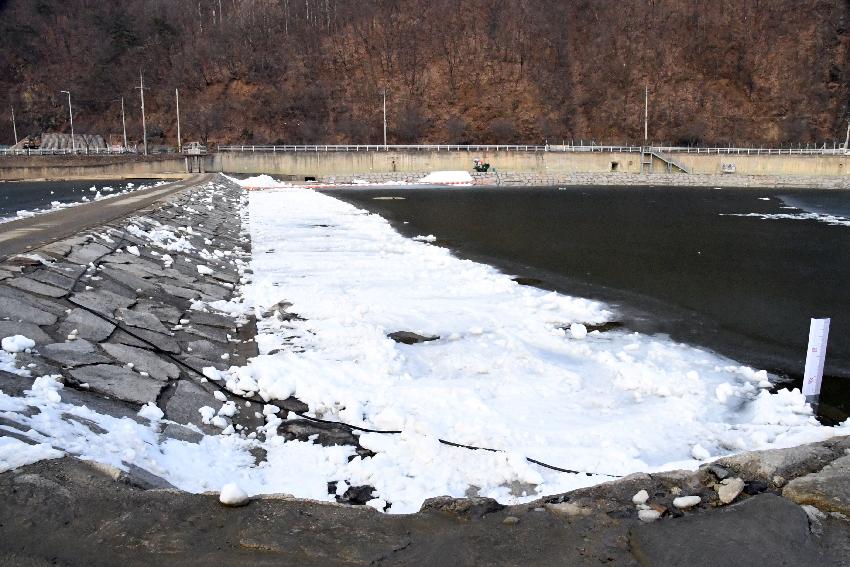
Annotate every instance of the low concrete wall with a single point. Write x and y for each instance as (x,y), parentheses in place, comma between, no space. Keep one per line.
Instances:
(323,164)
(766,164)
(633,179)
(14,168)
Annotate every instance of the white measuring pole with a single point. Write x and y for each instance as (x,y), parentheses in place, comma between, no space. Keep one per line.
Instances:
(815,357)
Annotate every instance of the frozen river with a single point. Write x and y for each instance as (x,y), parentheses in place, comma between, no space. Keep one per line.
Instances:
(739,271)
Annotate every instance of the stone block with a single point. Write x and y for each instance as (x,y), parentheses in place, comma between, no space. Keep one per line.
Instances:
(119,382)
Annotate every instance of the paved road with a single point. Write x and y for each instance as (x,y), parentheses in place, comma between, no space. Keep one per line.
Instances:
(22,235)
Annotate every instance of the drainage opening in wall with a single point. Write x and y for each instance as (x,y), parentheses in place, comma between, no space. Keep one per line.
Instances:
(615,165)
(309,178)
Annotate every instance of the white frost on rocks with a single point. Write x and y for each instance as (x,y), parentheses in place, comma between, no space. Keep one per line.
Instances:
(683,502)
(233,495)
(648,515)
(151,411)
(641,497)
(16,343)
(578,331)
(15,453)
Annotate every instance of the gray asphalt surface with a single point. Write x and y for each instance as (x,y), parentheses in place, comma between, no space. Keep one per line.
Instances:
(21,236)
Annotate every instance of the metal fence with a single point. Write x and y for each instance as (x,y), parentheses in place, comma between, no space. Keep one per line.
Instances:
(66,151)
(820,150)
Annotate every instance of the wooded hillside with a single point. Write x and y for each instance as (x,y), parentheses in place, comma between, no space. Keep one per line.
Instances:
(312,71)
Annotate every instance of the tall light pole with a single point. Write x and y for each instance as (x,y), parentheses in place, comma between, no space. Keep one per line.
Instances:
(385,118)
(646,116)
(14,127)
(847,137)
(71,114)
(123,124)
(177,97)
(141,88)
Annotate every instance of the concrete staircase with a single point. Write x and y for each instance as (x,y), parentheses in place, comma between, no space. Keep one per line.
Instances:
(646,158)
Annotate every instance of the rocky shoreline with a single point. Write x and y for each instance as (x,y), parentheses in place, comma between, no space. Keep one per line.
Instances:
(123,323)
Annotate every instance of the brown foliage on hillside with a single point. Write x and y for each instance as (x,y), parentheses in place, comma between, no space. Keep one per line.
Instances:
(312,71)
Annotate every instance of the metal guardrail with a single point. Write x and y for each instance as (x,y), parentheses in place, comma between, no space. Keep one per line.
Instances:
(836,150)
(65,151)
(379,148)
(819,151)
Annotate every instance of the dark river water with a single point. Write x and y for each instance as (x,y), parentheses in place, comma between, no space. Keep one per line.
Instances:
(31,195)
(669,260)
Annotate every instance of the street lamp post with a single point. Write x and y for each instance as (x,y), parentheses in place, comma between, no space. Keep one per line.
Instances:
(177,97)
(123,124)
(71,114)
(141,88)
(14,127)
(385,118)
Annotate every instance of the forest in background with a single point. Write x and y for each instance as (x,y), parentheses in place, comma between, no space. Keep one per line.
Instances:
(746,72)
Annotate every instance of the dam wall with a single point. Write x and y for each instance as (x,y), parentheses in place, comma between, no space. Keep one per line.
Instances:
(321,164)
(299,165)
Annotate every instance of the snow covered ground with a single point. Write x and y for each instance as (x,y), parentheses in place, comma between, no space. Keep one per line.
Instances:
(459,178)
(513,369)
(504,374)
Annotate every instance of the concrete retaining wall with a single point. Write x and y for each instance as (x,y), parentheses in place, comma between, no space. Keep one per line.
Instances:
(636,179)
(89,167)
(298,165)
(324,164)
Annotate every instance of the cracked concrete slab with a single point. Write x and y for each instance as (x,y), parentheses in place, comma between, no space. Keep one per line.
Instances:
(87,325)
(143,361)
(142,320)
(17,311)
(85,253)
(33,286)
(119,382)
(74,353)
(104,302)
(29,330)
